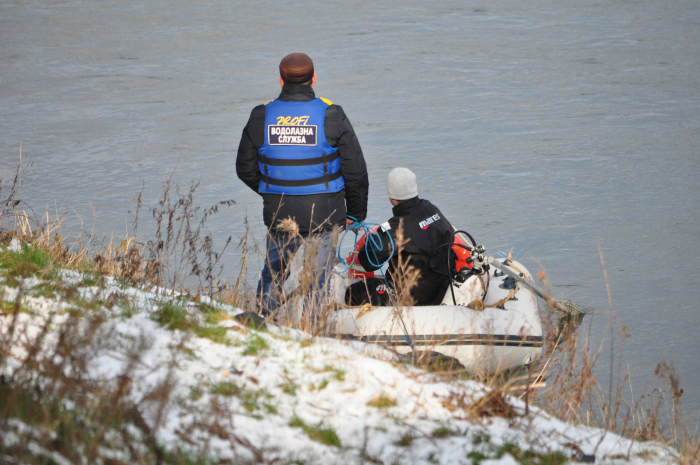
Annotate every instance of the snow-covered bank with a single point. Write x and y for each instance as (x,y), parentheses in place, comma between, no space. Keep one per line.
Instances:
(277,396)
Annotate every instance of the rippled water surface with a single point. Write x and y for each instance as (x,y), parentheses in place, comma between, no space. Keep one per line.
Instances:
(538,125)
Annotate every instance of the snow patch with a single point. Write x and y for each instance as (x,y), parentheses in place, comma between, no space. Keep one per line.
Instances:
(283,395)
(15,245)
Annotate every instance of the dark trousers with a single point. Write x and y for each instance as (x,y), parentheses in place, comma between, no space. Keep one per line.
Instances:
(376,292)
(371,290)
(280,251)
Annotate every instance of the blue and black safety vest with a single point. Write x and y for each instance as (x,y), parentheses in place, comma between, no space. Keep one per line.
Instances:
(295,158)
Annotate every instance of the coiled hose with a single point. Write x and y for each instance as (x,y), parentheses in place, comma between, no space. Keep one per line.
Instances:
(373,243)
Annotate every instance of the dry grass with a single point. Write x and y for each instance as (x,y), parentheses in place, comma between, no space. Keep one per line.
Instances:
(53,404)
(305,301)
(181,257)
(574,394)
(489,403)
(50,403)
(563,381)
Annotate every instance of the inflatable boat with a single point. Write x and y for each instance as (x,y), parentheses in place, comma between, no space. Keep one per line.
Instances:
(489,319)
(492,325)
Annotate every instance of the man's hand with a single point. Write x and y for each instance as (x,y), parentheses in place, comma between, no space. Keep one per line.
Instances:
(348,222)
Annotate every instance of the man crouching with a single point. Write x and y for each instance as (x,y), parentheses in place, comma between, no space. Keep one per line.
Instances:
(426,235)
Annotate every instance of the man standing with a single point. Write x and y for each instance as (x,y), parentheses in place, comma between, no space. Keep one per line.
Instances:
(426,234)
(300,153)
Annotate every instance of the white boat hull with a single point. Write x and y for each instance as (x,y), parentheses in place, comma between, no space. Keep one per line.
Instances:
(488,340)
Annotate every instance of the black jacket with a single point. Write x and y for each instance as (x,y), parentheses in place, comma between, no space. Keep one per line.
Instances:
(426,235)
(328,209)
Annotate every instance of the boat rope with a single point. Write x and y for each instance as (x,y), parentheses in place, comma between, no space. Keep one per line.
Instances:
(510,295)
(509,254)
(508,260)
(364,310)
(479,305)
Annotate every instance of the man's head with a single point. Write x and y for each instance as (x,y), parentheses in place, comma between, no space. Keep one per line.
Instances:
(401,185)
(297,68)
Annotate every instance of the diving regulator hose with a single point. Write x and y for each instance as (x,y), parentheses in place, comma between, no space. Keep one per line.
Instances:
(373,243)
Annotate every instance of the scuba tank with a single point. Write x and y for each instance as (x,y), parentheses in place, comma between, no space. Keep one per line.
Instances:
(467,285)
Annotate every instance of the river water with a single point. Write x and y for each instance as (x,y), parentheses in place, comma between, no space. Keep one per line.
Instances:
(539,125)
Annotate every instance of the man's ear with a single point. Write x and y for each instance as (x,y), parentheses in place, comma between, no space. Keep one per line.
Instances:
(313,80)
(281,82)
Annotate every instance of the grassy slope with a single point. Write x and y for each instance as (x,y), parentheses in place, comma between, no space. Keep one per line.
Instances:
(97,371)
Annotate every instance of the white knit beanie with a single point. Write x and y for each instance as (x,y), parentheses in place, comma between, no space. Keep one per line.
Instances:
(401,184)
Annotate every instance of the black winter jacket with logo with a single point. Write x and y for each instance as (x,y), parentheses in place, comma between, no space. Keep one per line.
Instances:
(328,209)
(427,233)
